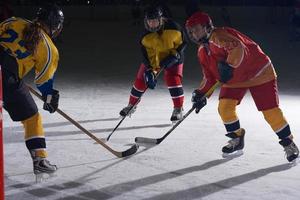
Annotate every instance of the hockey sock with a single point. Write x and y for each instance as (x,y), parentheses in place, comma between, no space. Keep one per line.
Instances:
(227,111)
(137,91)
(174,84)
(277,122)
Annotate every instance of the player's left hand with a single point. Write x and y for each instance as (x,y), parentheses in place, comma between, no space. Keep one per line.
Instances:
(169,61)
(225,71)
(51,101)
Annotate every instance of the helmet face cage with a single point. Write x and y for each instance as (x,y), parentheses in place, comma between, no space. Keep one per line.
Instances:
(201,40)
(153,14)
(191,37)
(204,39)
(56,24)
(153,29)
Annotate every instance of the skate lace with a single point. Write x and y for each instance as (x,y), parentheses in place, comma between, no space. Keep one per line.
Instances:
(176,111)
(127,109)
(290,150)
(233,142)
(47,162)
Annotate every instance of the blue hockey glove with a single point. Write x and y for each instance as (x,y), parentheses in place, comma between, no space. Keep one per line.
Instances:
(199,100)
(150,78)
(225,71)
(169,61)
(51,101)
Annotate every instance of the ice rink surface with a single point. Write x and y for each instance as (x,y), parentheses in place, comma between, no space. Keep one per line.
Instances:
(94,80)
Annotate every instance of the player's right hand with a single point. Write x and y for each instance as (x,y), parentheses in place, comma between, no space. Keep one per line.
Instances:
(198,100)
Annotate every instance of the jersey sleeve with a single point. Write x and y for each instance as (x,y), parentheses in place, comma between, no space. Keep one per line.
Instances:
(46,65)
(208,79)
(145,58)
(4,25)
(180,42)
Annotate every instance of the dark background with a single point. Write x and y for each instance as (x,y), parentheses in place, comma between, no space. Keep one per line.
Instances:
(100,40)
(174,2)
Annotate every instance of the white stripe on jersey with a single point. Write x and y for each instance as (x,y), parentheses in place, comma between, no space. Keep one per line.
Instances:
(9,20)
(38,76)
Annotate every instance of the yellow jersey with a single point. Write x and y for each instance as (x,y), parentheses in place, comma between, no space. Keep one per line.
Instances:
(158,45)
(44,60)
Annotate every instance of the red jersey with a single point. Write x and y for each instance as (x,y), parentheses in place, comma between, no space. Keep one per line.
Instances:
(251,65)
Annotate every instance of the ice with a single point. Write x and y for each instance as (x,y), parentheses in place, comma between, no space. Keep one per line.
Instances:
(96,71)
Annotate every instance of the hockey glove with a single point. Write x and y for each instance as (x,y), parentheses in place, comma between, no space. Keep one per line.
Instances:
(150,79)
(169,61)
(199,100)
(51,101)
(225,71)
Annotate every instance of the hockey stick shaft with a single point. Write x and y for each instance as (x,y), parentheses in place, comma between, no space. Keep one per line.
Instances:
(128,152)
(159,140)
(138,100)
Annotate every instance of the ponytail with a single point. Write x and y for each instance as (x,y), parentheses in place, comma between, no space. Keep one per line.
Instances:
(31,36)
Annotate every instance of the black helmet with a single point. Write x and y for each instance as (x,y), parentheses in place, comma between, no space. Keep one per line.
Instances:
(151,13)
(52,16)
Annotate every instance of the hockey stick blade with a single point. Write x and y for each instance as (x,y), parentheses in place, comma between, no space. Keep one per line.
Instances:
(159,140)
(146,140)
(132,150)
(120,154)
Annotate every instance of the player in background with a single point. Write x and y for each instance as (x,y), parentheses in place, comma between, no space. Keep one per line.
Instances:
(238,62)
(162,47)
(25,45)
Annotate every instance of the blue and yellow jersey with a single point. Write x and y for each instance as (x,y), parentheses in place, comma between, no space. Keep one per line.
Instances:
(158,45)
(44,60)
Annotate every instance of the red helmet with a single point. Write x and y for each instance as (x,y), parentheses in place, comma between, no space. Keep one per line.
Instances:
(198,18)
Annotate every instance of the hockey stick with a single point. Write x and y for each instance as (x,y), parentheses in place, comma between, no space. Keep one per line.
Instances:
(120,122)
(121,154)
(159,140)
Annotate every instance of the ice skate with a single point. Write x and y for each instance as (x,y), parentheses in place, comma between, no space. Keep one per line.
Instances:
(291,150)
(128,110)
(176,115)
(235,145)
(43,169)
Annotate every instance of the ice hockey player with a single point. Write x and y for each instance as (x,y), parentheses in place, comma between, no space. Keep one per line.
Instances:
(162,46)
(25,45)
(238,62)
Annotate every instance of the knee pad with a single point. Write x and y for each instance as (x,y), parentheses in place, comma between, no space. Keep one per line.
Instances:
(33,126)
(227,110)
(172,80)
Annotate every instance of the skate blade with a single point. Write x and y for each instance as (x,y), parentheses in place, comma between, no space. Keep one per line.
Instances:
(43,177)
(121,117)
(235,154)
(295,162)
(174,122)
